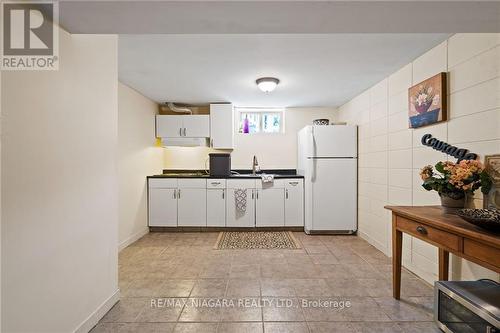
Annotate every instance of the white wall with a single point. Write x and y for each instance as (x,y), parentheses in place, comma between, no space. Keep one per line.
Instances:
(391,155)
(59,189)
(137,158)
(272,150)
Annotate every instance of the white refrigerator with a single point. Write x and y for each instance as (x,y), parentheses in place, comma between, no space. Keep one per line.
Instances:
(328,160)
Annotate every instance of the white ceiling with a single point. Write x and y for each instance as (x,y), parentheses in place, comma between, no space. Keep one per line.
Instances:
(324,52)
(314,69)
(241,17)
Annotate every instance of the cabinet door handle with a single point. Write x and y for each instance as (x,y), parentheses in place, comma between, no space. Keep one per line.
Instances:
(180,131)
(223,194)
(257,194)
(293,183)
(215,183)
(422,230)
(175,194)
(179,193)
(252,194)
(185,132)
(286,193)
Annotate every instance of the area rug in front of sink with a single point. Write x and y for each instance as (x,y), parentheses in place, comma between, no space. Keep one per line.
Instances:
(256,240)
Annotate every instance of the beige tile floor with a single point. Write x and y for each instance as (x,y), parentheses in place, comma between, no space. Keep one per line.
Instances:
(183,268)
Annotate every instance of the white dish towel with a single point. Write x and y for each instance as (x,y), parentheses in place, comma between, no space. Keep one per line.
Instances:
(267,178)
(240,199)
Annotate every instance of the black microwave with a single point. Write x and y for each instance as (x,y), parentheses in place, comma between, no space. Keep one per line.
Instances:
(467,306)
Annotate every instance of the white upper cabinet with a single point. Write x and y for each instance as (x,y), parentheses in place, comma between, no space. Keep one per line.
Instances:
(177,126)
(196,126)
(168,126)
(222,126)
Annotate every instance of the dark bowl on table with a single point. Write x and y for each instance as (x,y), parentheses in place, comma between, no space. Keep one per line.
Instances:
(483,218)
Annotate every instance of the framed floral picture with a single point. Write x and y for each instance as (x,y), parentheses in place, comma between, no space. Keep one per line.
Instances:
(427,101)
(492,167)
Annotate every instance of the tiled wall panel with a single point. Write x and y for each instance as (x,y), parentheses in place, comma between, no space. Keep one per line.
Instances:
(391,155)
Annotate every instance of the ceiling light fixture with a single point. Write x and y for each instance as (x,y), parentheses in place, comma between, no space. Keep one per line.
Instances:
(267,84)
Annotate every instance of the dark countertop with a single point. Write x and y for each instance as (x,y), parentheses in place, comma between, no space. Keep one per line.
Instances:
(278,173)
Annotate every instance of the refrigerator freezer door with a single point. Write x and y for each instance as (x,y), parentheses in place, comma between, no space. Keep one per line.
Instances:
(333,194)
(328,141)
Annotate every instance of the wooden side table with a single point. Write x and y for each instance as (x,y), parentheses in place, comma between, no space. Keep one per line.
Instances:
(450,233)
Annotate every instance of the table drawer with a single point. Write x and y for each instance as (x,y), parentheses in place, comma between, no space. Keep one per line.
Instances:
(483,252)
(430,234)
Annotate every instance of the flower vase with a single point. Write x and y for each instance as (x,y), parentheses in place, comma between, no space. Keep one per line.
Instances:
(451,205)
(246,126)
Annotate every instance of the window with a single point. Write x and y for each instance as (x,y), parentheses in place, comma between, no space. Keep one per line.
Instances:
(260,120)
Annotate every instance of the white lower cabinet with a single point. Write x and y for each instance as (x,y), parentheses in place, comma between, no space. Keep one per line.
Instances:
(162,202)
(212,203)
(192,207)
(270,207)
(177,202)
(216,207)
(235,217)
(294,203)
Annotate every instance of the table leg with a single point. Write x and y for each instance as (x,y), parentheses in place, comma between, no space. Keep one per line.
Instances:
(444,262)
(397,248)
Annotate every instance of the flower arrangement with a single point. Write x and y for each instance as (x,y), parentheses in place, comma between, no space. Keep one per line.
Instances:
(424,98)
(455,180)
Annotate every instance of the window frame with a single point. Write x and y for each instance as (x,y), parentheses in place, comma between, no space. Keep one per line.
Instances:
(260,111)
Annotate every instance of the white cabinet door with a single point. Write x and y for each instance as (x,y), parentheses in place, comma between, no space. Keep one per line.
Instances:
(192,203)
(196,126)
(237,218)
(294,203)
(222,126)
(168,126)
(162,207)
(270,207)
(216,208)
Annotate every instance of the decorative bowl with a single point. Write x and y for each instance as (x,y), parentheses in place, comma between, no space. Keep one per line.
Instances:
(484,218)
(321,122)
(424,118)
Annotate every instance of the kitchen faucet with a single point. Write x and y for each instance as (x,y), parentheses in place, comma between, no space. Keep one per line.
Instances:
(255,165)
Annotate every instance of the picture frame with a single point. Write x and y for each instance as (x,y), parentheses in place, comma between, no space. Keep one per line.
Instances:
(428,102)
(492,167)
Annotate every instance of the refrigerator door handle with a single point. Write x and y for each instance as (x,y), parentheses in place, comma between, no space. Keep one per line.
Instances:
(313,173)
(313,141)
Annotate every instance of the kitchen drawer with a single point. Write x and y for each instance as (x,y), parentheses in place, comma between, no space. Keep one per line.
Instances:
(277,183)
(240,183)
(192,183)
(216,183)
(483,252)
(162,183)
(429,234)
(292,183)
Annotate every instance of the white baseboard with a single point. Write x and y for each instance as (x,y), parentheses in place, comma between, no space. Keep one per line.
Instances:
(132,238)
(94,318)
(379,246)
